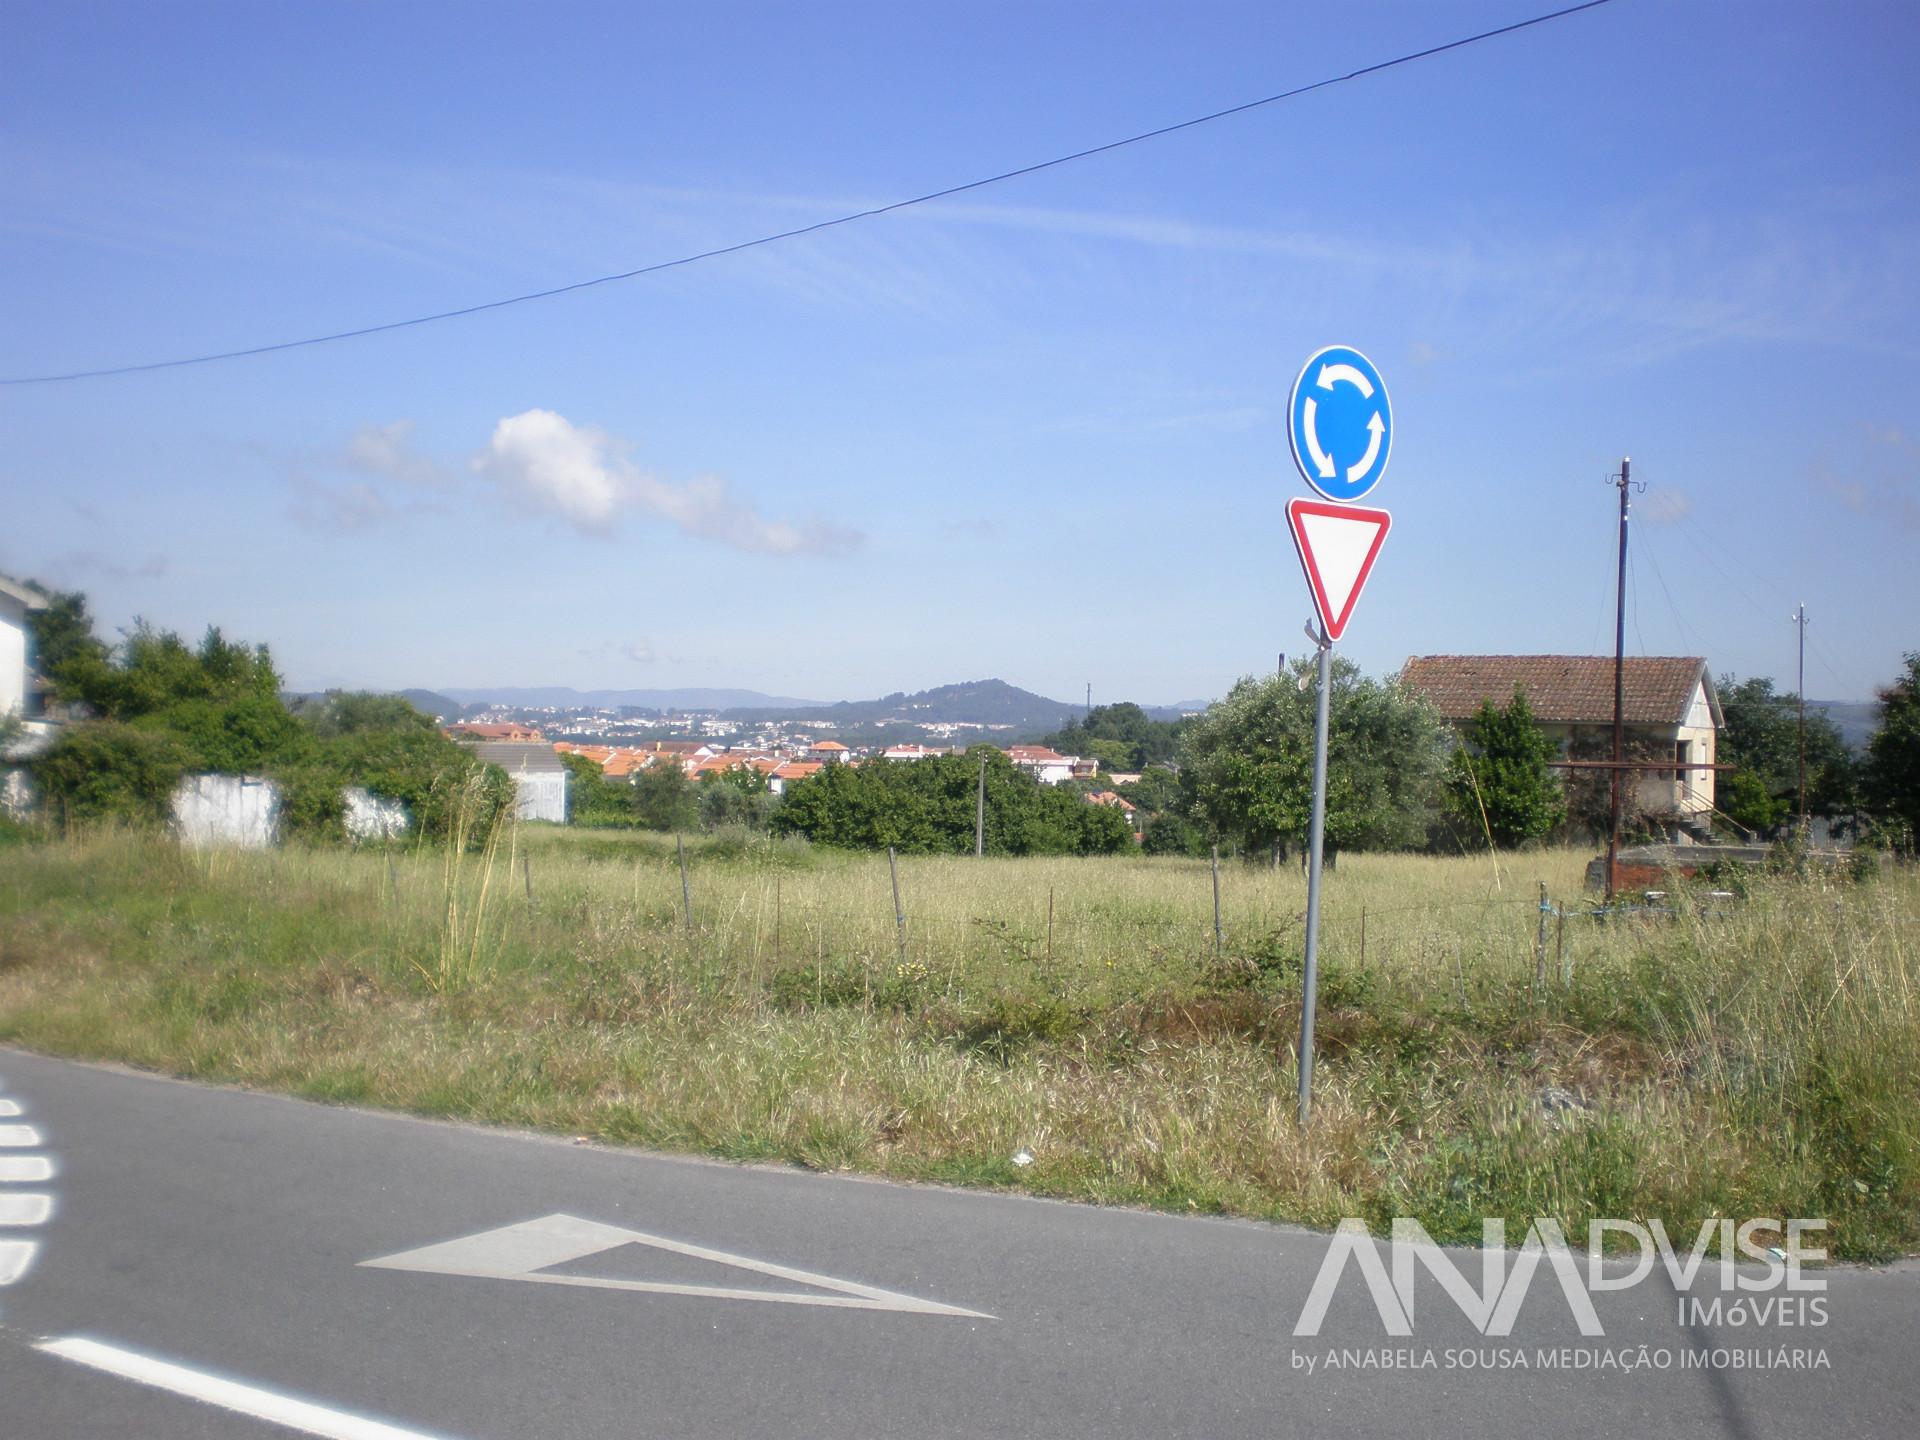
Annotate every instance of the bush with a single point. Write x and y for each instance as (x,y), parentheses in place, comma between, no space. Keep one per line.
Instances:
(928,807)
(105,770)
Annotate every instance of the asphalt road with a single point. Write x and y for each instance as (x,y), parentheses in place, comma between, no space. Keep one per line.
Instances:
(224,1235)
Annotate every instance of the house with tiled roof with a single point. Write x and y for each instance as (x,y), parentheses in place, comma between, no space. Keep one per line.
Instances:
(832,752)
(1047,766)
(1668,706)
(515,733)
(911,752)
(788,771)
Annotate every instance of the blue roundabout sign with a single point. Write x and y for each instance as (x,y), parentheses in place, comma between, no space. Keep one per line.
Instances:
(1340,423)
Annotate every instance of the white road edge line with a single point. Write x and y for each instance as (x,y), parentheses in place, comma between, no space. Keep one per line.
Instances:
(250,1400)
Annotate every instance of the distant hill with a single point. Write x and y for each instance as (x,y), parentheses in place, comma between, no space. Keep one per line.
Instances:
(432,704)
(1856,720)
(1174,712)
(538,697)
(975,702)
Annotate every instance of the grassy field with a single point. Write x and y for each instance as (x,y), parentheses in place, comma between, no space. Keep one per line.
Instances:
(1759,1057)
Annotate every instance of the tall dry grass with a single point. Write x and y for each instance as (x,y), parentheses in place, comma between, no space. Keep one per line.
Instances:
(1754,1058)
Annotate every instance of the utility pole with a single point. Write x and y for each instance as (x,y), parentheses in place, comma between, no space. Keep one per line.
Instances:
(1089,710)
(1800,695)
(1619,768)
(1625,481)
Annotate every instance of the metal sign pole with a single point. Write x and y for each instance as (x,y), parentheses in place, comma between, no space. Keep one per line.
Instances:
(1316,836)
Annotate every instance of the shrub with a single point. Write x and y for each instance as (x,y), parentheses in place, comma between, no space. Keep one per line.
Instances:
(104,770)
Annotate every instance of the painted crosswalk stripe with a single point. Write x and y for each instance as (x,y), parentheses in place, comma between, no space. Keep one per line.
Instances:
(19,1137)
(31,1208)
(9,1108)
(268,1405)
(25,1169)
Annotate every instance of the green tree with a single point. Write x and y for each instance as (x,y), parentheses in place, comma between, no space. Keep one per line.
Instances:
(153,669)
(592,799)
(1123,736)
(740,796)
(928,807)
(1157,791)
(663,797)
(1172,834)
(348,712)
(1893,754)
(246,735)
(1498,783)
(1249,762)
(65,649)
(1762,738)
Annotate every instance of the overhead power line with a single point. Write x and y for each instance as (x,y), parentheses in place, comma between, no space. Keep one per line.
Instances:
(815,227)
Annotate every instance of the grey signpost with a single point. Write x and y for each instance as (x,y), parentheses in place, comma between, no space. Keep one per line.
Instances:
(1341,429)
(1316,837)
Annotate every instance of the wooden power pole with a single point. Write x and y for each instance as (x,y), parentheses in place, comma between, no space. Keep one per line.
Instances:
(1617,773)
(1800,696)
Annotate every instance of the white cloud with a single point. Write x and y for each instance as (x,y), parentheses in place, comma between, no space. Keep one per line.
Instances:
(581,474)
(388,450)
(545,461)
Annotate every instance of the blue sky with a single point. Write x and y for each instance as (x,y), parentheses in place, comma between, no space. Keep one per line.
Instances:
(1037,431)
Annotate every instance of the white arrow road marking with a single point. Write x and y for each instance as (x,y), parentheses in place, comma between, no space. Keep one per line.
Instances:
(1330,375)
(1374,427)
(15,1257)
(274,1408)
(1322,461)
(524,1251)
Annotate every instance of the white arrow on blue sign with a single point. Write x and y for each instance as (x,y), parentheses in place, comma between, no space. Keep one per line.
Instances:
(1340,423)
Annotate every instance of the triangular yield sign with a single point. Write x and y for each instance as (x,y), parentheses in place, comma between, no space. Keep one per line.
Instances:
(1338,545)
(527,1251)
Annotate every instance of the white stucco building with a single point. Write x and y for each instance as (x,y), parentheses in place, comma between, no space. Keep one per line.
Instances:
(539,779)
(16,600)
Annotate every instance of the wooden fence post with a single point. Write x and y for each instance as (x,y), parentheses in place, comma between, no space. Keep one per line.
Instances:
(899,915)
(1216,901)
(1540,945)
(686,887)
